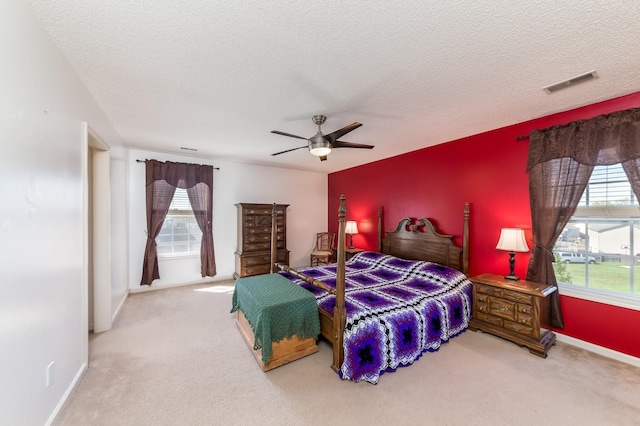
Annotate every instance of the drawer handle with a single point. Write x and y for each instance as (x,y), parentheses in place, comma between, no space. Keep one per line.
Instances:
(501,308)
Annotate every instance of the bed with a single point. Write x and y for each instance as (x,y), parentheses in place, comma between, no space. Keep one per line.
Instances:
(383,310)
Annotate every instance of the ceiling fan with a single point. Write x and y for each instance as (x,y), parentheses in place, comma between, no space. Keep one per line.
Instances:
(319,144)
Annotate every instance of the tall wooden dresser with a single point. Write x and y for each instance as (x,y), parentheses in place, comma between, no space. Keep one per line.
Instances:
(253,256)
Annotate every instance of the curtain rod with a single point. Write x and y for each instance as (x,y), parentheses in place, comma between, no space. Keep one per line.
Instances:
(142,161)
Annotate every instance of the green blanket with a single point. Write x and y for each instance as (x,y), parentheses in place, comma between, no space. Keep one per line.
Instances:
(276,308)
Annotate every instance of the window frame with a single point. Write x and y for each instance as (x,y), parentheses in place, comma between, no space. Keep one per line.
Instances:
(178,208)
(599,212)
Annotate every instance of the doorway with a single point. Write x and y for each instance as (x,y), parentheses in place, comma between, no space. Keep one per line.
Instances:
(97,218)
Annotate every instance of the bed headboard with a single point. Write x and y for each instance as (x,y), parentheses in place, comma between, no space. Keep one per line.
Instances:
(418,239)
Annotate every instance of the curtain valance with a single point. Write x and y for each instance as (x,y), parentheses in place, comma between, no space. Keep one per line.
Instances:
(180,175)
(602,140)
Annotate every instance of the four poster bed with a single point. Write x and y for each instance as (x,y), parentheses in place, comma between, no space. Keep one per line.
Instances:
(383,310)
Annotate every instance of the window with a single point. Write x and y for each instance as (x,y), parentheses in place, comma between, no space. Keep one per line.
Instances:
(599,249)
(180,233)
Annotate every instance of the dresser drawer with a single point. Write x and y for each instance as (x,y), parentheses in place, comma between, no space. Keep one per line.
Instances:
(259,264)
(263,259)
(258,238)
(262,222)
(263,246)
(256,260)
(257,270)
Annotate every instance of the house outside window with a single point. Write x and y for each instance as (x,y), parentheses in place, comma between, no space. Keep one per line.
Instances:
(180,234)
(598,252)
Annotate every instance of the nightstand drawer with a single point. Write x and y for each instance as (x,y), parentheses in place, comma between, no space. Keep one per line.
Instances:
(524,309)
(523,329)
(483,306)
(483,298)
(525,319)
(517,297)
(502,308)
(490,319)
(485,289)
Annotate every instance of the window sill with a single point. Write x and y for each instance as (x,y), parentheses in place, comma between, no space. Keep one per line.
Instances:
(621,301)
(177,256)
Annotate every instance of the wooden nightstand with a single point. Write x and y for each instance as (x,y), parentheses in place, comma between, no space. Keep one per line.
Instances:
(350,252)
(512,310)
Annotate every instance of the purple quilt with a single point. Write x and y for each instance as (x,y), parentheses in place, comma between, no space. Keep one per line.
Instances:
(396,310)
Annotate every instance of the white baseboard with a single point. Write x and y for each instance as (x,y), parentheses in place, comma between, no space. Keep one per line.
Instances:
(600,350)
(159,286)
(72,386)
(117,312)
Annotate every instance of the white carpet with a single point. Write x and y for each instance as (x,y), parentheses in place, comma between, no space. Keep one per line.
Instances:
(175,357)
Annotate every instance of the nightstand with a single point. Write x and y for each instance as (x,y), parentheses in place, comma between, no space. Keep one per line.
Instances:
(350,252)
(512,310)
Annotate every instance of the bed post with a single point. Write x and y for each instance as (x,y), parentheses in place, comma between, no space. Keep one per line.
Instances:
(339,312)
(465,240)
(274,240)
(380,225)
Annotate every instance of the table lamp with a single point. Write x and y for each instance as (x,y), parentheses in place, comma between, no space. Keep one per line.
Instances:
(512,240)
(351,228)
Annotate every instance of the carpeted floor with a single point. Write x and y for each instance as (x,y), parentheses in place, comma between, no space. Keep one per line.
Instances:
(175,357)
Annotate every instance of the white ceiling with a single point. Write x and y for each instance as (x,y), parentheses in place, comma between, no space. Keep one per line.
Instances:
(218,76)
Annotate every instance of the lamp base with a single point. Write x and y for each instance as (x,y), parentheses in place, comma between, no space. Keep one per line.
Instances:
(512,264)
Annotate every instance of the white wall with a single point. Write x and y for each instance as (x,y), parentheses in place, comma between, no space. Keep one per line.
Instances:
(305,192)
(43,290)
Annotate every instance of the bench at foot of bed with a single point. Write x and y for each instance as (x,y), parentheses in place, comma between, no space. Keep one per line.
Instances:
(284,351)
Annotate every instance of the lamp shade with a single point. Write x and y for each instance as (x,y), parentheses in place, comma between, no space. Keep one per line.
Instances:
(512,239)
(351,228)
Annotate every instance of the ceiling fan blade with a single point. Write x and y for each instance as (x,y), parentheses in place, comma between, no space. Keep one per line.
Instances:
(342,144)
(277,132)
(323,158)
(333,136)
(289,150)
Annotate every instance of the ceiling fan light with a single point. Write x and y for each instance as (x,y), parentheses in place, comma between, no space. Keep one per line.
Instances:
(320,151)
(319,146)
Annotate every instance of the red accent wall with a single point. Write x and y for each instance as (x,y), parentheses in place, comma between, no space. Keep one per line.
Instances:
(489,171)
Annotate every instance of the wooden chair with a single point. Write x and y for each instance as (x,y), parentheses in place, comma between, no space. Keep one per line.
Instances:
(322,253)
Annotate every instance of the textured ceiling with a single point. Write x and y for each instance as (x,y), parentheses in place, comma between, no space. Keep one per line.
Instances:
(218,76)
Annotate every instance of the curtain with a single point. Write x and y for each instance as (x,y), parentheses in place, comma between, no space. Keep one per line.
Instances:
(159,195)
(632,169)
(162,179)
(561,159)
(200,197)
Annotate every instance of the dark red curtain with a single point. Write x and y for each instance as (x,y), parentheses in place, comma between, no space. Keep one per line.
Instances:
(162,179)
(561,159)
(200,197)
